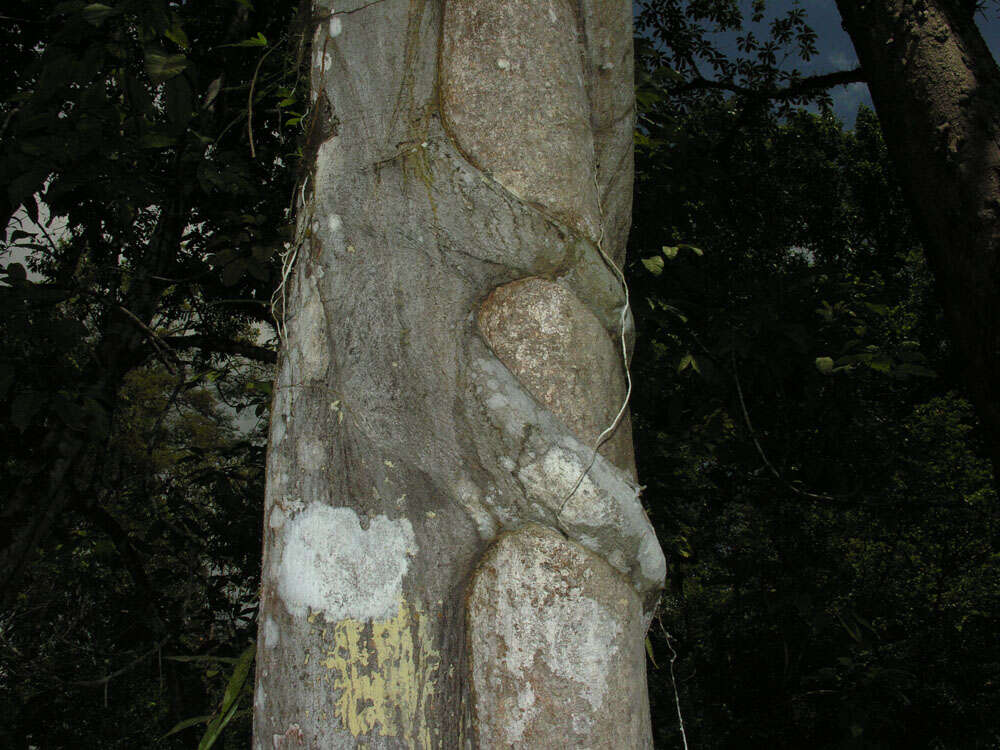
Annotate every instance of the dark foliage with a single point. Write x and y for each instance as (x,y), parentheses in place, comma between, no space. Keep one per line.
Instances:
(148,156)
(812,467)
(815,475)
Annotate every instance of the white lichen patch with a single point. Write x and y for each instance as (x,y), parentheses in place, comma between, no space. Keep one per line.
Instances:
(536,633)
(526,711)
(471,499)
(335,26)
(554,477)
(330,564)
(652,563)
(277,517)
(594,502)
(575,638)
(510,406)
(271,634)
(573,634)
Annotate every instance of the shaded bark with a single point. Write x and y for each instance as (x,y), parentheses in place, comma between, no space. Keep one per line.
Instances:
(453,350)
(936,89)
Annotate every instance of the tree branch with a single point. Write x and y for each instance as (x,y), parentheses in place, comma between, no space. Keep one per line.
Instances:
(259,311)
(223,346)
(159,343)
(791,91)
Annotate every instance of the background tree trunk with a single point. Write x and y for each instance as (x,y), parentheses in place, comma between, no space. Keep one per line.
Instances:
(936,89)
(431,578)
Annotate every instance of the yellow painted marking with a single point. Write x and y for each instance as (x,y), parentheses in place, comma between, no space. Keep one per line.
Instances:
(384,672)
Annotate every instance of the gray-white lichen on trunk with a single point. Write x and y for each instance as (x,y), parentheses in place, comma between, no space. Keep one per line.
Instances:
(431,577)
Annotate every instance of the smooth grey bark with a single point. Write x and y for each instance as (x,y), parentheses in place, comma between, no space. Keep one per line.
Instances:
(936,89)
(433,576)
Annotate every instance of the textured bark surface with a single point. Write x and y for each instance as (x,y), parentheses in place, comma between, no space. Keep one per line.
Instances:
(936,88)
(452,353)
(559,352)
(568,679)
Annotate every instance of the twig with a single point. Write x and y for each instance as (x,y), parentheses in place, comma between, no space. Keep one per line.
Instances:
(355,10)
(151,440)
(760,449)
(253,83)
(673,682)
(131,665)
(159,344)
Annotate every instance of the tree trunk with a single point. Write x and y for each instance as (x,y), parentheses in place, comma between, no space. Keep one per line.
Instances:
(433,576)
(936,89)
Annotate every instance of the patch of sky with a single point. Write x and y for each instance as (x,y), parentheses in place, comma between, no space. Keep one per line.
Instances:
(834,49)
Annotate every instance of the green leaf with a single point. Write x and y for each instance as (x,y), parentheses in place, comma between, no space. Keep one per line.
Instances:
(180,103)
(824,365)
(649,652)
(98,13)
(233,272)
(908,369)
(230,700)
(262,252)
(157,140)
(881,363)
(654,265)
(71,6)
(215,728)
(162,67)
(182,725)
(688,360)
(239,676)
(671,251)
(177,36)
(257,41)
(23,186)
(16,272)
(204,657)
(851,628)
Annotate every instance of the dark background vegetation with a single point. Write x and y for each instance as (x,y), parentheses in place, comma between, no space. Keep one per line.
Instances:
(815,474)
